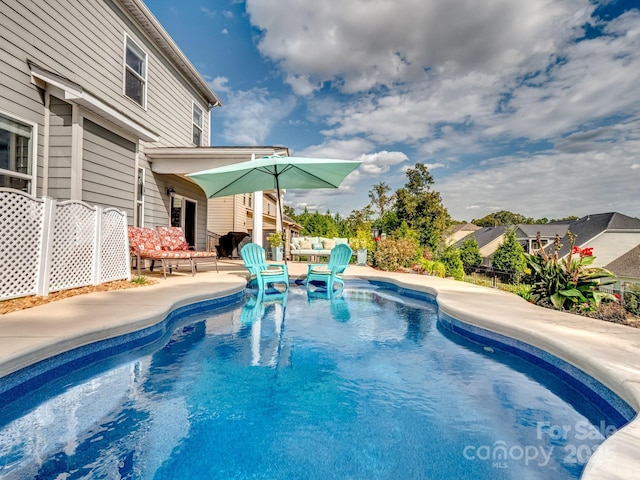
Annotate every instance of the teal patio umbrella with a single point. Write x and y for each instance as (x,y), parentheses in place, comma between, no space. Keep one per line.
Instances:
(273,173)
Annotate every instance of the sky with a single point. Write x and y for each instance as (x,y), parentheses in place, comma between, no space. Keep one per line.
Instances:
(527,106)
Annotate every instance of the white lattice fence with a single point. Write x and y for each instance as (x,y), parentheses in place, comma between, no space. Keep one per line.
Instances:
(47,246)
(115,257)
(74,245)
(21,223)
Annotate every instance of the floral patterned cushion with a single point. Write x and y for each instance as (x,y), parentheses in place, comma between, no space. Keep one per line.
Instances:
(143,239)
(172,238)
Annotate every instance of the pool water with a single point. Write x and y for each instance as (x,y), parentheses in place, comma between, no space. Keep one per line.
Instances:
(367,384)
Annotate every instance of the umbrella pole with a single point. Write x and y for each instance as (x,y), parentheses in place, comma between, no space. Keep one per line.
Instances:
(284,235)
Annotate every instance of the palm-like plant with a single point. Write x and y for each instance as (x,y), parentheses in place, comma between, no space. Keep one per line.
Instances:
(569,283)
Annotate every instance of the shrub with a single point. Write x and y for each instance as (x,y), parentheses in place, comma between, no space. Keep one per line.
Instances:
(632,298)
(509,255)
(470,252)
(427,265)
(439,269)
(395,254)
(450,257)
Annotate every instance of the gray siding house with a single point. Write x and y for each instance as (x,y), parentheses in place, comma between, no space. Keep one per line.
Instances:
(89,93)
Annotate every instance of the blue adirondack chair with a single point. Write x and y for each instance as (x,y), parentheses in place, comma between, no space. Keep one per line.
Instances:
(330,273)
(262,273)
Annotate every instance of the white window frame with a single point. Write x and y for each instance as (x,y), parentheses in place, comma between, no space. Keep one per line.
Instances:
(195,125)
(31,178)
(126,68)
(139,208)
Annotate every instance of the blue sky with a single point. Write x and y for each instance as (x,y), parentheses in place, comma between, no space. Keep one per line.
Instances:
(528,106)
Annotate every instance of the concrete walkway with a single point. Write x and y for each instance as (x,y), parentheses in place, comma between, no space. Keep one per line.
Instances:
(608,352)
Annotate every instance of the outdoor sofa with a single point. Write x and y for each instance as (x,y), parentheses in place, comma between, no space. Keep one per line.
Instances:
(314,246)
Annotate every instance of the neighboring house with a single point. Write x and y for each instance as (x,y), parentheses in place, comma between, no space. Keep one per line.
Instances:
(235,214)
(460,231)
(528,235)
(488,238)
(627,267)
(94,98)
(614,238)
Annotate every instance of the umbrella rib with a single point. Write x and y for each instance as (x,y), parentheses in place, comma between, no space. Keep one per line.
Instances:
(235,180)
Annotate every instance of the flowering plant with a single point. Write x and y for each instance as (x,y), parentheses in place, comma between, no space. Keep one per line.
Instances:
(276,240)
(569,283)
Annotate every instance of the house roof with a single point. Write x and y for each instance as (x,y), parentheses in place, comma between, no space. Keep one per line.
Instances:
(152,27)
(485,235)
(546,230)
(590,226)
(628,265)
(470,227)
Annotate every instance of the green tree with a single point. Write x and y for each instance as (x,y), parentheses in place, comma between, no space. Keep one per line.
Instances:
(502,218)
(421,207)
(509,255)
(450,257)
(360,219)
(380,200)
(470,252)
(289,211)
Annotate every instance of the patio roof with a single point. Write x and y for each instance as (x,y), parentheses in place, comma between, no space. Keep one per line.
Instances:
(183,160)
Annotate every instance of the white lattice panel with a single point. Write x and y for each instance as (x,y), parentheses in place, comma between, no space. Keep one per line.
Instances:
(73,253)
(115,250)
(21,218)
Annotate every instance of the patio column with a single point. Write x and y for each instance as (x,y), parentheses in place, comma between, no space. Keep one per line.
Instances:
(257,214)
(257,218)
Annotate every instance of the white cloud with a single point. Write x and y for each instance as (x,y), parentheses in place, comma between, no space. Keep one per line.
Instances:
(546,185)
(458,82)
(248,116)
(358,44)
(208,12)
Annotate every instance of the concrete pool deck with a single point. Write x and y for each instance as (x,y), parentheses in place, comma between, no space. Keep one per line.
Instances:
(608,352)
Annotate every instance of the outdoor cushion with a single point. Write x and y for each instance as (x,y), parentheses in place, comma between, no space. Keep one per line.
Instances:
(342,241)
(328,244)
(321,270)
(272,271)
(316,246)
(172,238)
(305,245)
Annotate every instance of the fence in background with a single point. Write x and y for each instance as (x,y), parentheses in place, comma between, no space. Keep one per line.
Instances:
(48,246)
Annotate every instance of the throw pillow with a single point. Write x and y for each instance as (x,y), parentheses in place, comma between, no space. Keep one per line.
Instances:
(317,246)
(328,244)
(305,245)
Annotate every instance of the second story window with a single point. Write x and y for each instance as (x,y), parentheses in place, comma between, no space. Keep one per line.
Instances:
(135,73)
(197,125)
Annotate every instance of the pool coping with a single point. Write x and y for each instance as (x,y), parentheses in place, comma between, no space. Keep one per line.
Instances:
(607,352)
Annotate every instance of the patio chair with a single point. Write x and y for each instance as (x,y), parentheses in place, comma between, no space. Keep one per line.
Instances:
(144,244)
(173,239)
(329,274)
(263,273)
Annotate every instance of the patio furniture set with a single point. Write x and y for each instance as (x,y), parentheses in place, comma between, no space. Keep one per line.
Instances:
(167,245)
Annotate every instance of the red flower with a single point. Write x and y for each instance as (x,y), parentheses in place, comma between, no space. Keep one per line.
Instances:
(587,252)
(575,251)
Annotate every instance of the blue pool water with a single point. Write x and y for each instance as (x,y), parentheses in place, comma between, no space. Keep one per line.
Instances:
(365,385)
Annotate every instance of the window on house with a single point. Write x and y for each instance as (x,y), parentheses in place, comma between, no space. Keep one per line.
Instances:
(16,147)
(140,199)
(197,125)
(135,73)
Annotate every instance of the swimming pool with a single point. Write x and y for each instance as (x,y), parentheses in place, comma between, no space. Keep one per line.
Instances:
(366,385)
